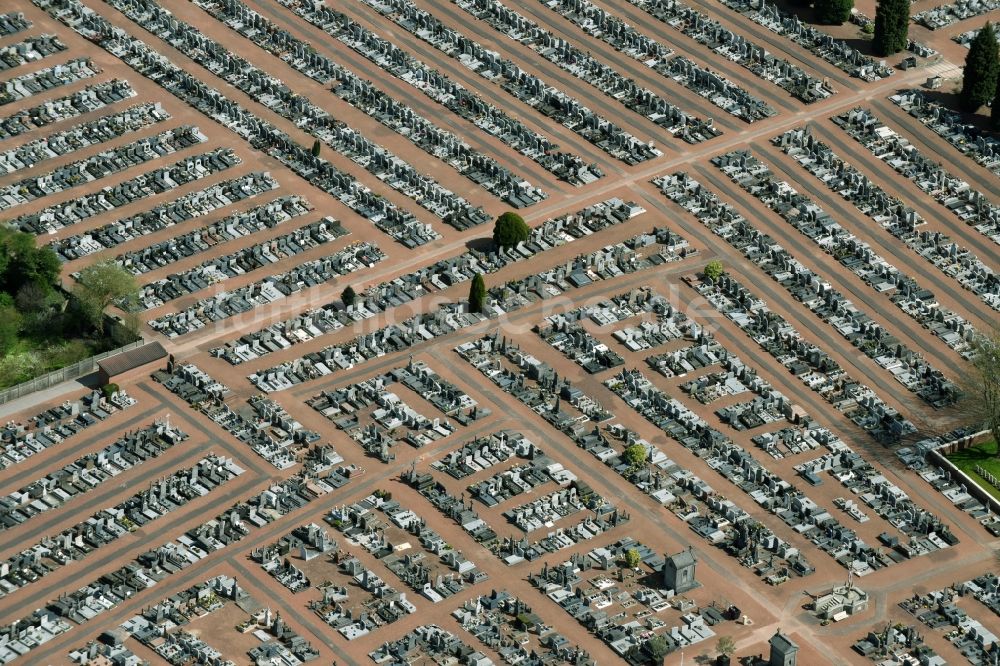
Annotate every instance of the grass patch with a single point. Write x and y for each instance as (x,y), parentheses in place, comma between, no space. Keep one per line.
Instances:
(983,455)
(31,358)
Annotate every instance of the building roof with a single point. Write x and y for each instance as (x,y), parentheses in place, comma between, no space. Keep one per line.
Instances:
(782,643)
(131,359)
(685,558)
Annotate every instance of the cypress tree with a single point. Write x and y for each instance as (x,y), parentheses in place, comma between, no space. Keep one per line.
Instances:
(979,81)
(902,25)
(892,24)
(833,12)
(477,293)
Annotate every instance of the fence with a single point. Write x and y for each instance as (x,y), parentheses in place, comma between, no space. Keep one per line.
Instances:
(972,486)
(75,371)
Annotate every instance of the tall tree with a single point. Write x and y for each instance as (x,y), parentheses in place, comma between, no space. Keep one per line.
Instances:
(979,81)
(477,293)
(903,25)
(100,285)
(892,24)
(22,263)
(510,229)
(981,388)
(833,12)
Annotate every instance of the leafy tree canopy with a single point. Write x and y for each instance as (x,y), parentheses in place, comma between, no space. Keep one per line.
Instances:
(510,229)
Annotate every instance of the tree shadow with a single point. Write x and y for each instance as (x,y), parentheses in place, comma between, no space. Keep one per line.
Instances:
(483,244)
(949,99)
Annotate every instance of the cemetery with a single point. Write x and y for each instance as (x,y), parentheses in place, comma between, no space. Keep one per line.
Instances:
(597,368)
(28,85)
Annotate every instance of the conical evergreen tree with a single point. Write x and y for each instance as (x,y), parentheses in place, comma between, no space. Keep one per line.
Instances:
(833,12)
(903,25)
(477,293)
(892,24)
(979,81)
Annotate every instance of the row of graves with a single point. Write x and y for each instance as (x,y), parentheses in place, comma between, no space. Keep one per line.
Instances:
(907,366)
(897,645)
(86,473)
(428,643)
(186,207)
(485,452)
(713,517)
(150,567)
(378,418)
(354,600)
(904,223)
(949,125)
(164,626)
(609,262)
(920,532)
(721,40)
(261,424)
(100,130)
(811,364)
(157,181)
(581,64)
(258,133)
(212,309)
(433,83)
(954,488)
(379,298)
(80,540)
(547,99)
(761,484)
(968,204)
(577,344)
(711,85)
(837,52)
(28,85)
(944,15)
(521,479)
(172,627)
(394,114)
(107,648)
(578,497)
(665,489)
(224,267)
(28,50)
(435,571)
(531,381)
(624,606)
(966,38)
(12,23)
(191,243)
(942,609)
(507,625)
(303,543)
(343,139)
(52,426)
(86,100)
(101,165)
(568,332)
